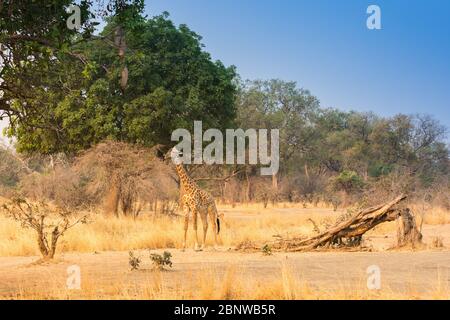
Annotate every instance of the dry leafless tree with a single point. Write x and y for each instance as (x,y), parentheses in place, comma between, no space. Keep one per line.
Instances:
(48,221)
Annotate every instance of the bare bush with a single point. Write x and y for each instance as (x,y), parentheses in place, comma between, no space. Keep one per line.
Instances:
(12,168)
(49,222)
(125,177)
(265,192)
(437,242)
(396,182)
(60,185)
(303,188)
(232,191)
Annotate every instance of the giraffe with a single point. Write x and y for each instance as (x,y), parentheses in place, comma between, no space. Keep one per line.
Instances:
(196,201)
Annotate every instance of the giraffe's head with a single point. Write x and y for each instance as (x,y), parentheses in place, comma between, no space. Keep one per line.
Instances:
(175,155)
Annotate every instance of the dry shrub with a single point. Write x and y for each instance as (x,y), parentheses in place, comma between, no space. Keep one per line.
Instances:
(437,242)
(442,198)
(49,222)
(265,192)
(11,168)
(62,186)
(432,204)
(232,191)
(437,195)
(125,176)
(117,175)
(302,188)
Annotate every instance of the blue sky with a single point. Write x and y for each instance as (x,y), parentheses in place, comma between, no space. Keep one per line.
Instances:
(326,47)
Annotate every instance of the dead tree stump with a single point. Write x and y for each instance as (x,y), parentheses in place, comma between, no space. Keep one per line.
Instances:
(407,231)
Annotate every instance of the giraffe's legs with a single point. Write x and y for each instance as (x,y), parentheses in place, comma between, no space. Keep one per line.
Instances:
(195,216)
(186,224)
(204,217)
(212,212)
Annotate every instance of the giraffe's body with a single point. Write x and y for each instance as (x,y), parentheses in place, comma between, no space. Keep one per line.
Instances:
(197,202)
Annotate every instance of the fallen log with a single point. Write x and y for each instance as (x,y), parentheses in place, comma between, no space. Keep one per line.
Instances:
(348,233)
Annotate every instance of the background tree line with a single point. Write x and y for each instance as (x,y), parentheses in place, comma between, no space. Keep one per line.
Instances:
(66,92)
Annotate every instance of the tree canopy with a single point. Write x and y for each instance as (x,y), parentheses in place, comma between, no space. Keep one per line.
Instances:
(330,141)
(136,81)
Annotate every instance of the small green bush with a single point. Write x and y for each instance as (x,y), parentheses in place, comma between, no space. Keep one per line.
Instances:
(161,261)
(266,250)
(134,261)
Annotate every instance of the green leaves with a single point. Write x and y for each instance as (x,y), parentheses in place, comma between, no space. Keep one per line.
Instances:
(70,97)
(348,181)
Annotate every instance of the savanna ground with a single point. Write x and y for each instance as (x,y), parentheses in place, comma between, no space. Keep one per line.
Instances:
(101,250)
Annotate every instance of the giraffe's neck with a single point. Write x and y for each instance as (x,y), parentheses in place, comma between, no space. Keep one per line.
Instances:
(186,182)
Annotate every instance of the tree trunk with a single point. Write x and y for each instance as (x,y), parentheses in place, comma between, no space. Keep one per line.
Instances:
(128,203)
(407,231)
(345,198)
(42,240)
(275,182)
(225,189)
(306,172)
(47,251)
(119,41)
(112,200)
(55,236)
(42,247)
(247,191)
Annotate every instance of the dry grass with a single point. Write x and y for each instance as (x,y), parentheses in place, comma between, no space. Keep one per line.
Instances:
(279,205)
(207,285)
(431,215)
(244,223)
(148,232)
(120,234)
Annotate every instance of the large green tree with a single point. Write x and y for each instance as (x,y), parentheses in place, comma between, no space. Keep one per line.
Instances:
(278,104)
(35,61)
(136,81)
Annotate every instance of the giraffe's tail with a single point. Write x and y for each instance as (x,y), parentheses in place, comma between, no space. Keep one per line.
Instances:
(219,217)
(218,225)
(213,211)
